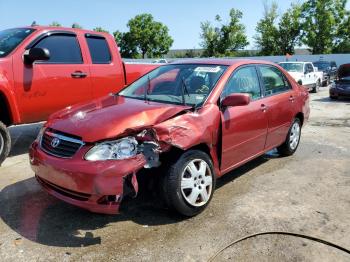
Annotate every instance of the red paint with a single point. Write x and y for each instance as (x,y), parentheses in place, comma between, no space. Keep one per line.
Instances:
(233,135)
(33,92)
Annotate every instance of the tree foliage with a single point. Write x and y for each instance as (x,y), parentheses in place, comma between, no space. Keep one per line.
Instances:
(321,20)
(224,39)
(145,37)
(267,35)
(76,25)
(100,29)
(55,23)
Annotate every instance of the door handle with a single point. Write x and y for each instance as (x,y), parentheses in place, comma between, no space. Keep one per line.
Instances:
(291,99)
(78,74)
(263,108)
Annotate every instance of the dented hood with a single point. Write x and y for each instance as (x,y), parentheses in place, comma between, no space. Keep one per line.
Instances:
(110,116)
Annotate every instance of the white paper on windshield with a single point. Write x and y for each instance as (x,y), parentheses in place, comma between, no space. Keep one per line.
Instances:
(207,69)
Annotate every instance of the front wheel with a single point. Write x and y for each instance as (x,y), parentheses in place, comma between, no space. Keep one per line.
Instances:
(291,143)
(189,183)
(317,86)
(5,142)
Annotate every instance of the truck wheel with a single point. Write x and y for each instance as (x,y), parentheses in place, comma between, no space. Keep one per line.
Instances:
(189,183)
(5,142)
(291,143)
(317,87)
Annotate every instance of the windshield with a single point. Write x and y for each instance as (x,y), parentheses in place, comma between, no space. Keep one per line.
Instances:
(322,65)
(186,84)
(11,38)
(292,67)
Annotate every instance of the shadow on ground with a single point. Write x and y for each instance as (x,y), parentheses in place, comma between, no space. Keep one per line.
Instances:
(35,215)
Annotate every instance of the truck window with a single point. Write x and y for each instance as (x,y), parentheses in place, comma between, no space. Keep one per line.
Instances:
(99,49)
(11,38)
(309,68)
(64,49)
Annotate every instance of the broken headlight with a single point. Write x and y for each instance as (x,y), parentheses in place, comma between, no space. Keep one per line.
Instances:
(113,150)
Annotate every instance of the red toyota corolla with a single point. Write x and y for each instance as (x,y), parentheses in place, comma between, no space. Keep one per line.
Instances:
(194,120)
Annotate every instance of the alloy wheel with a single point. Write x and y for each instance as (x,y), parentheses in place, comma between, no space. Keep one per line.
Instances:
(294,136)
(197,183)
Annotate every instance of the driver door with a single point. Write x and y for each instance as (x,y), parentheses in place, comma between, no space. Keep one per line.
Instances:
(244,128)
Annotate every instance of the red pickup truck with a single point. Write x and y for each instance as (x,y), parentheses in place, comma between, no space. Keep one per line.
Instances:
(45,69)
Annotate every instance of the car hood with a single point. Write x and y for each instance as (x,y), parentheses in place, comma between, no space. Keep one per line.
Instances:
(111,116)
(296,75)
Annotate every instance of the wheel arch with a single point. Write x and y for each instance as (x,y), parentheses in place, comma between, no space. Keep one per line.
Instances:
(300,116)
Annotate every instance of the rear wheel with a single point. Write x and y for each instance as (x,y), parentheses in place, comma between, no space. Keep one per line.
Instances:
(317,86)
(291,143)
(5,142)
(189,183)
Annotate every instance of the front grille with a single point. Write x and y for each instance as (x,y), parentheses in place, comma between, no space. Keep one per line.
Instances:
(63,191)
(59,144)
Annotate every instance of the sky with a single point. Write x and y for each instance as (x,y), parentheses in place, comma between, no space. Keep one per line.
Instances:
(183,17)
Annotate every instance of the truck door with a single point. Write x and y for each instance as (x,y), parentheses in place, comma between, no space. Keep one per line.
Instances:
(107,73)
(311,76)
(48,86)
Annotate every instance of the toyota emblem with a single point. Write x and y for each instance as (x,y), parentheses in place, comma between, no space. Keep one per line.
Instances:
(55,142)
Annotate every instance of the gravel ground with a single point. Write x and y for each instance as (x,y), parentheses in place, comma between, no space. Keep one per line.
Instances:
(308,193)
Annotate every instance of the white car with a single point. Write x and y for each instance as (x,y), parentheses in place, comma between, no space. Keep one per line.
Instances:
(305,74)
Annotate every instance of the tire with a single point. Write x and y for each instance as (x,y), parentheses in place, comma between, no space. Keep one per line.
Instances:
(317,87)
(291,143)
(333,97)
(5,142)
(185,188)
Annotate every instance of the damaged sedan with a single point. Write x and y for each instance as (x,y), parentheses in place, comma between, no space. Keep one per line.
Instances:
(191,122)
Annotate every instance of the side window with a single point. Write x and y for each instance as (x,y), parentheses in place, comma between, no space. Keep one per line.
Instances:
(333,64)
(99,50)
(244,80)
(64,49)
(310,68)
(274,80)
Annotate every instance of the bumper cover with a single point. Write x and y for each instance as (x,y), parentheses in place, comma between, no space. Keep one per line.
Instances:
(89,185)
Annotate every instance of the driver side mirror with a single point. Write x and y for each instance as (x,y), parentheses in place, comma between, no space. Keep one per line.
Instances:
(236,100)
(36,54)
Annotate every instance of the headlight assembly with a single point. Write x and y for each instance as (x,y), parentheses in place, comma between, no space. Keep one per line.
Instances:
(113,150)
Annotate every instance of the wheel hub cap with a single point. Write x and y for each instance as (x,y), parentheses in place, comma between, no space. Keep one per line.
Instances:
(294,136)
(196,183)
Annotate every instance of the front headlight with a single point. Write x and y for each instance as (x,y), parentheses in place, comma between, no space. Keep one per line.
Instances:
(113,150)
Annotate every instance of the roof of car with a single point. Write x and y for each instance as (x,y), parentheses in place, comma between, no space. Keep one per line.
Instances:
(59,28)
(227,61)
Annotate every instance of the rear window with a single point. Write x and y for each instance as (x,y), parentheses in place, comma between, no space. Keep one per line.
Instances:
(99,49)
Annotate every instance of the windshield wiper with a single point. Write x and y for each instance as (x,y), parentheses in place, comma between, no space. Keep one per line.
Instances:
(147,89)
(184,89)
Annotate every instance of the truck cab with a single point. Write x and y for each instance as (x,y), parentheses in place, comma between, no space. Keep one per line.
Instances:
(45,69)
(304,73)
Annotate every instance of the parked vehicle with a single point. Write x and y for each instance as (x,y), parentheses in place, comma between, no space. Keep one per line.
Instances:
(44,69)
(194,121)
(305,74)
(329,69)
(341,86)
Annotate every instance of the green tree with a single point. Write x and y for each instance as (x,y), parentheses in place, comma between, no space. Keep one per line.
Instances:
(224,39)
(321,19)
(145,37)
(100,29)
(55,23)
(342,43)
(34,23)
(267,32)
(76,25)
(289,30)
(127,48)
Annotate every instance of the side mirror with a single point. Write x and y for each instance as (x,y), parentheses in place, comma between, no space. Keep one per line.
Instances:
(36,54)
(236,100)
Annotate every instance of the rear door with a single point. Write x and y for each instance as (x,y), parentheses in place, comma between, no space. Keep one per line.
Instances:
(279,100)
(244,128)
(107,73)
(63,80)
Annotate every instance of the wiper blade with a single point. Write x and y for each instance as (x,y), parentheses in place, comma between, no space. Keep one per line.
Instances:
(147,89)
(184,89)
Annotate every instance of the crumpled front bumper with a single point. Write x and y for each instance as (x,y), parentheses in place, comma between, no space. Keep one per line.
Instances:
(96,186)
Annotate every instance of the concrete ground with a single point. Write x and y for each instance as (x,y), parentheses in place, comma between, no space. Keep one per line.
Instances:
(308,193)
